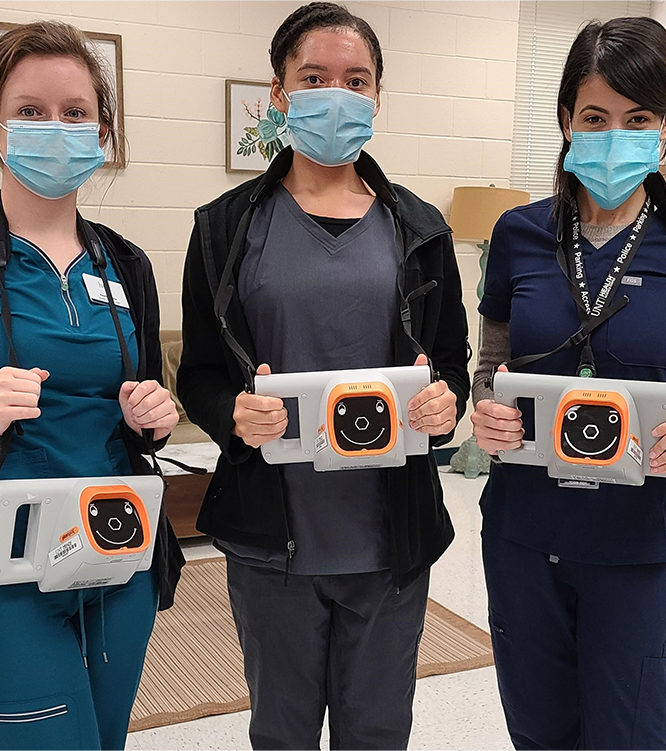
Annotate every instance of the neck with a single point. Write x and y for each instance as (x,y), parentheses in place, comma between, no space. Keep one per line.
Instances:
(592,213)
(308,177)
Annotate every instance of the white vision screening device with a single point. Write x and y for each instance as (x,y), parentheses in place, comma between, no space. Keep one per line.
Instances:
(82,531)
(348,419)
(587,430)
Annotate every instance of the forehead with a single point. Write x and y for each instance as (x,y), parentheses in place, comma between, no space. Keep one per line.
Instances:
(339,47)
(49,76)
(594,91)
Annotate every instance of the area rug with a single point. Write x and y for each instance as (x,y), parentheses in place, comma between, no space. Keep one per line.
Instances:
(194,665)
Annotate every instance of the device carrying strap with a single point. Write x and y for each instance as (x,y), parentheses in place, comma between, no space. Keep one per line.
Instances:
(592,313)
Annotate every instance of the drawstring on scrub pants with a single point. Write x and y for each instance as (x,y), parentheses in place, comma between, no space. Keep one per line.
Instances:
(82,626)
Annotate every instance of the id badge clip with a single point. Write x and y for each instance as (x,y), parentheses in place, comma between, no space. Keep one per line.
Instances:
(82,532)
(586,431)
(348,419)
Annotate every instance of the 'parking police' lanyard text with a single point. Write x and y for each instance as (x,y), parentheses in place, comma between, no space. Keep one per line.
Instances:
(603,306)
(591,314)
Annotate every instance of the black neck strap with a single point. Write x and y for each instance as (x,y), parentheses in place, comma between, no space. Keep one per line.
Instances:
(592,312)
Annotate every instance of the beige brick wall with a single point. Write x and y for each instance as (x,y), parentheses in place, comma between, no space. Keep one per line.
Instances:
(446,118)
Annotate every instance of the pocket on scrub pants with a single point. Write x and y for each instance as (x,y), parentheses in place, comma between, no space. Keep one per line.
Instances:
(39,723)
(649,730)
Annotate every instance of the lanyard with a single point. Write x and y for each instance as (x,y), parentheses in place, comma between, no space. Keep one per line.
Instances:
(592,312)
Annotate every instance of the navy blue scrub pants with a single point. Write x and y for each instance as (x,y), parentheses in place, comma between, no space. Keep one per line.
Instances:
(580,649)
(348,641)
(48,698)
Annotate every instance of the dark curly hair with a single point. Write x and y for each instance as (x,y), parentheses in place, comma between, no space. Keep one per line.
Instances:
(630,55)
(289,36)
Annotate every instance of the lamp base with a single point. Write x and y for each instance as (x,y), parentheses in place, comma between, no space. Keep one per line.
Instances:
(470,460)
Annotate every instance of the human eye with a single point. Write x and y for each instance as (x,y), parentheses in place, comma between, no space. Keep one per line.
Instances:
(357,83)
(75,114)
(28,112)
(313,80)
(639,120)
(593,120)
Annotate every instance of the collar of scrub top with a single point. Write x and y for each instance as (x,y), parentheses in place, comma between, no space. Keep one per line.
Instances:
(369,171)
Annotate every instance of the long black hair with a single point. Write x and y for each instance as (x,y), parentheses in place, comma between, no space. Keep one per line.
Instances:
(289,36)
(630,55)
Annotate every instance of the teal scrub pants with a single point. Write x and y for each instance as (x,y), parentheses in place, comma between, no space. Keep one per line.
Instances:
(49,698)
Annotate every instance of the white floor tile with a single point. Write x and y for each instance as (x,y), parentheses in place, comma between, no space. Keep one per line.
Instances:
(459,711)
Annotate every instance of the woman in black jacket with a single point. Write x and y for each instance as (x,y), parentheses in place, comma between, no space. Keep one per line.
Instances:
(75,399)
(328,267)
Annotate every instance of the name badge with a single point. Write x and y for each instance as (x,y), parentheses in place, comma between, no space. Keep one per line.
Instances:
(97,293)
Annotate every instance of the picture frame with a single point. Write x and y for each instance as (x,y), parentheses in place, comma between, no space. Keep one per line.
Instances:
(111,48)
(254,130)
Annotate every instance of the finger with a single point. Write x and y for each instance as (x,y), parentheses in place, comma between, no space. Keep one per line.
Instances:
(492,423)
(264,428)
(657,451)
(127,388)
(21,413)
(43,374)
(421,360)
(433,406)
(499,411)
(502,368)
(160,398)
(160,413)
(24,376)
(258,403)
(263,369)
(432,391)
(20,399)
(265,418)
(499,438)
(660,430)
(141,391)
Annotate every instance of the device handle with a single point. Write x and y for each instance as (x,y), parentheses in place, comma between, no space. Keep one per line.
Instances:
(508,388)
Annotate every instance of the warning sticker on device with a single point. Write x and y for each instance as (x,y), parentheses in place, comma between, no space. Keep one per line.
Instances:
(634,450)
(321,442)
(65,550)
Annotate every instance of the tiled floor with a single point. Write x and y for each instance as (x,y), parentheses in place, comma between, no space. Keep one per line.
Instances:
(460,711)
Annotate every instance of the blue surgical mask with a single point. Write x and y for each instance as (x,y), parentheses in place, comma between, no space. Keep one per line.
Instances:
(611,164)
(52,159)
(329,125)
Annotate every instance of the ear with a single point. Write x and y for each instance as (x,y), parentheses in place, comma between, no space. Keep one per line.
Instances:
(103,133)
(565,116)
(378,100)
(662,129)
(278,98)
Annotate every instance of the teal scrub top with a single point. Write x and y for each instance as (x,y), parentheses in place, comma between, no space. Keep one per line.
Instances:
(57,327)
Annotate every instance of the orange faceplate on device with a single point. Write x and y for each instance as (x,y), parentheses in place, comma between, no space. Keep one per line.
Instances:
(121,493)
(346,393)
(578,399)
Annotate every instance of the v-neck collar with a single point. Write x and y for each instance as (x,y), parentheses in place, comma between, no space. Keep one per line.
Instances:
(331,243)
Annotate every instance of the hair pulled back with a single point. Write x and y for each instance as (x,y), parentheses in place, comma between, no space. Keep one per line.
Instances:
(630,55)
(293,29)
(46,38)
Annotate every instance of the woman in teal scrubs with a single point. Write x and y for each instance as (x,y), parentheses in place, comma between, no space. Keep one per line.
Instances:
(70,661)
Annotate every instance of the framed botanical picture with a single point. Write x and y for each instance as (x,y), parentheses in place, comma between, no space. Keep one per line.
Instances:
(111,50)
(255,130)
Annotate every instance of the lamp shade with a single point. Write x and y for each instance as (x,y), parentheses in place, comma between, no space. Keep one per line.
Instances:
(475,210)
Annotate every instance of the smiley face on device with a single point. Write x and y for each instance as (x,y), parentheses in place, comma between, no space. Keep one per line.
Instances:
(115,523)
(591,431)
(362,423)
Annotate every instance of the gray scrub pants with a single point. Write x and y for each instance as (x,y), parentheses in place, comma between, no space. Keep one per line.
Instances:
(348,642)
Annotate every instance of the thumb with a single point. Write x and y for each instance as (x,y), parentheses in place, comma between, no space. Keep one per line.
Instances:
(421,360)
(43,374)
(502,369)
(127,388)
(263,369)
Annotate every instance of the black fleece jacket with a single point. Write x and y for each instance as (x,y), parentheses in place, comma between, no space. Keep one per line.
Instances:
(136,275)
(245,503)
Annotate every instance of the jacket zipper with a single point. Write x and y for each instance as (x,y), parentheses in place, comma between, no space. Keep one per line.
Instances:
(64,282)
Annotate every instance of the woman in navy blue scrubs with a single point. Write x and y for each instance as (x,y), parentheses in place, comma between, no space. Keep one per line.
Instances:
(577,577)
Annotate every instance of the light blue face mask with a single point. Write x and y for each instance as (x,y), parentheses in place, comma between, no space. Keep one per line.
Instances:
(329,125)
(611,164)
(52,159)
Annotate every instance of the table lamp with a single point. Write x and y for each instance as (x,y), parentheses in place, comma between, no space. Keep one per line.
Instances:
(474,212)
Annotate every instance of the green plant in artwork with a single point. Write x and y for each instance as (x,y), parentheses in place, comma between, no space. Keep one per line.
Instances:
(266,135)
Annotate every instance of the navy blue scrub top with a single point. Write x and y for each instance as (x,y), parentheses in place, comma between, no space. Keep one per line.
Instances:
(525,287)
(55,326)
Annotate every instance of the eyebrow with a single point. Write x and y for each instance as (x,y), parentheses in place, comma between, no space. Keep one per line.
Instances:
(315,66)
(594,108)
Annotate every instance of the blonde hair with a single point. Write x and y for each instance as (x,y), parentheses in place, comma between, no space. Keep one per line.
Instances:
(61,39)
